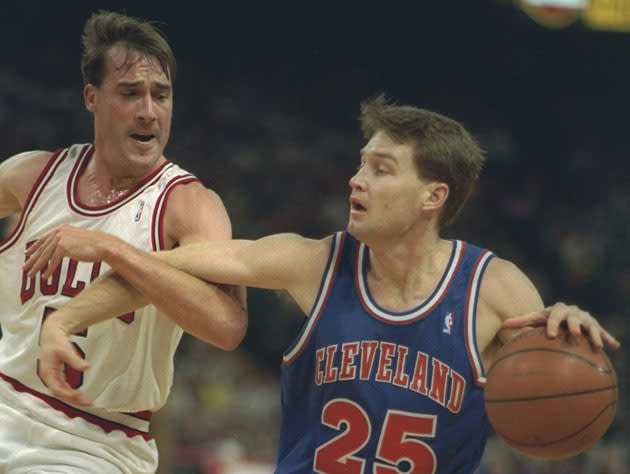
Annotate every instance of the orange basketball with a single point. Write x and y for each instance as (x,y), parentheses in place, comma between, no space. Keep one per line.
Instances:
(551,398)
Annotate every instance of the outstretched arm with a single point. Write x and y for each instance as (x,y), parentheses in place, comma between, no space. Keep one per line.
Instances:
(284,261)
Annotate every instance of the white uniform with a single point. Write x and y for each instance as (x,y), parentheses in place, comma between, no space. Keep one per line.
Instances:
(131,357)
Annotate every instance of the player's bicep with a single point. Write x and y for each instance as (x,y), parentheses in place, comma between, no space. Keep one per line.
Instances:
(193,214)
(282,261)
(506,292)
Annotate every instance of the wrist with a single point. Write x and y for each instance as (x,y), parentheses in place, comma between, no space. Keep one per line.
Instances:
(58,319)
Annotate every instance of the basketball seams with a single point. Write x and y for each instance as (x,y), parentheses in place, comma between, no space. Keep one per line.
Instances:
(516,443)
(554,395)
(600,369)
(551,398)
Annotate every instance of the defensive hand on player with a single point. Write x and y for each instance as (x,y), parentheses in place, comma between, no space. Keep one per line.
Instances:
(55,352)
(65,241)
(577,321)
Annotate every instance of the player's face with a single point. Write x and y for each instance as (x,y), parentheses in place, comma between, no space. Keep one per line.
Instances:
(387,192)
(132,112)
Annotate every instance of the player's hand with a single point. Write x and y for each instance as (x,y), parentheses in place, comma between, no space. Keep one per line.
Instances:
(65,241)
(55,352)
(577,321)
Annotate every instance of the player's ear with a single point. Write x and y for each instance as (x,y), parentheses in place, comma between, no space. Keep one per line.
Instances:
(89,97)
(436,195)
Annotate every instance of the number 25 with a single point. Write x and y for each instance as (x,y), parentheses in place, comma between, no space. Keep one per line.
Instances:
(397,442)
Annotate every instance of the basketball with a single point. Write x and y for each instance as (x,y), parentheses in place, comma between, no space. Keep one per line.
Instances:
(551,398)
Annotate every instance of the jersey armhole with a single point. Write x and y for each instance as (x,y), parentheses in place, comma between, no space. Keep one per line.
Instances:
(325,286)
(157,221)
(50,168)
(472,299)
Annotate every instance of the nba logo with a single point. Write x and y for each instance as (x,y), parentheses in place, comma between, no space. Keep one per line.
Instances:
(139,213)
(448,324)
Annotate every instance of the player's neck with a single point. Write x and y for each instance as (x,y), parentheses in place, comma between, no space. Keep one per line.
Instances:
(100,184)
(406,273)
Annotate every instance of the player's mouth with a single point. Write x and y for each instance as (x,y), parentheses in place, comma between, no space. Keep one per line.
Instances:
(356,207)
(144,138)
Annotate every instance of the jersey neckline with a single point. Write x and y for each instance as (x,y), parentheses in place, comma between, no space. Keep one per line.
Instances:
(72,191)
(413,314)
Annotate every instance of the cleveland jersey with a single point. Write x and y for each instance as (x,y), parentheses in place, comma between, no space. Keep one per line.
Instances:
(131,356)
(366,390)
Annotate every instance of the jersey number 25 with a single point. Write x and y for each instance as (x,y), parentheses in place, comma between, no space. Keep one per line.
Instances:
(398,441)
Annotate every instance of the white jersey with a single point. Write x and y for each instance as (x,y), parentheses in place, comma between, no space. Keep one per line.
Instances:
(131,356)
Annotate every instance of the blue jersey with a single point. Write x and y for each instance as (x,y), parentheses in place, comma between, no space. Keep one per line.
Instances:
(366,390)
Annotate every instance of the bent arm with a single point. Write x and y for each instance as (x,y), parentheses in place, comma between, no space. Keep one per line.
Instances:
(282,261)
(509,303)
(215,314)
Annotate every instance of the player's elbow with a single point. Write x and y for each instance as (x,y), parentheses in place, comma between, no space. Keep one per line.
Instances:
(233,331)
(236,336)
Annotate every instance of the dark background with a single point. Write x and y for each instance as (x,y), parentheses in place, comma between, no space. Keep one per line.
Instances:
(266,105)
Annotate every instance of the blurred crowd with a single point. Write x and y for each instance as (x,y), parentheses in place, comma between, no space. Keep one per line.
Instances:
(562,217)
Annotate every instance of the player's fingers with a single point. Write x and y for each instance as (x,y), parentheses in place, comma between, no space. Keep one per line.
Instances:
(536,318)
(576,325)
(610,340)
(37,245)
(60,388)
(53,263)
(54,376)
(33,253)
(38,260)
(558,313)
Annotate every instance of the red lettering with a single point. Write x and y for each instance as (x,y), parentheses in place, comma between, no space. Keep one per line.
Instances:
(96,270)
(50,286)
(419,381)
(438,381)
(28,287)
(384,373)
(368,351)
(458,385)
(68,288)
(401,378)
(348,353)
(319,357)
(331,371)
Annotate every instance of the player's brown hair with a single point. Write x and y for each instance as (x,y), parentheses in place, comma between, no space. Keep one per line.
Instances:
(443,149)
(104,29)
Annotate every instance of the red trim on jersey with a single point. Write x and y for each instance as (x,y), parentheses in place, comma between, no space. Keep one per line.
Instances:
(472,296)
(419,311)
(106,425)
(157,226)
(72,189)
(42,180)
(322,297)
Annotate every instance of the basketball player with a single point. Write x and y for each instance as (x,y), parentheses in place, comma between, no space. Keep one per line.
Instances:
(387,373)
(121,184)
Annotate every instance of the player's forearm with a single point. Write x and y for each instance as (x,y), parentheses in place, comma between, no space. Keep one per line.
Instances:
(108,297)
(205,310)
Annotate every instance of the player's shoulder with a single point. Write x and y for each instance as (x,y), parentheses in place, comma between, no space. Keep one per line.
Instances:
(19,172)
(190,197)
(195,212)
(503,272)
(27,160)
(315,245)
(507,289)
